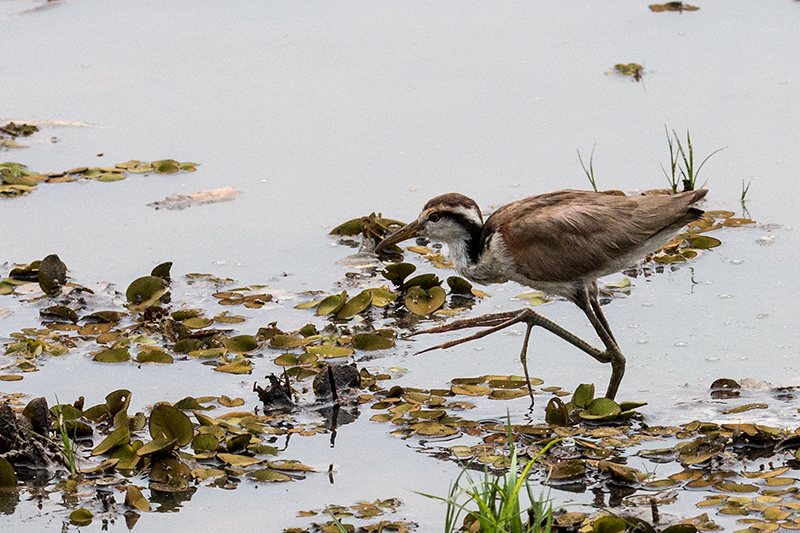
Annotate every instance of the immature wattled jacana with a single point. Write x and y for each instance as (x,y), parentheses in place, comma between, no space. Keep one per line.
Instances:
(561,243)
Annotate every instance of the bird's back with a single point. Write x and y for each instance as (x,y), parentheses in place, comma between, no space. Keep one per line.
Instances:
(572,235)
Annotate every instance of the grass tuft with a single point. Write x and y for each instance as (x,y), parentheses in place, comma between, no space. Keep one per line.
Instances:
(685,174)
(494,500)
(590,171)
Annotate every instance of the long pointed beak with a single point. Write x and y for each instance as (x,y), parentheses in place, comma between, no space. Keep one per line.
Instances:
(406,232)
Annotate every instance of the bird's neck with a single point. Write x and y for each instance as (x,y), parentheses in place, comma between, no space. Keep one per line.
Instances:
(465,251)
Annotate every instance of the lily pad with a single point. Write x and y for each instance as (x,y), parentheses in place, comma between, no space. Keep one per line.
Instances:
(166,166)
(270,476)
(704,242)
(135,499)
(81,517)
(382,296)
(331,304)
(556,413)
(241,344)
(600,409)
(153,354)
(236,367)
(355,305)
(146,289)
(162,270)
(329,351)
(424,302)
(584,394)
(425,281)
(116,438)
(197,322)
(170,423)
(398,272)
(8,480)
(113,355)
(459,285)
(289,341)
(372,341)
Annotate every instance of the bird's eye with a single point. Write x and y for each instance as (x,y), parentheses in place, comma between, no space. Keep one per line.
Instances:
(434,217)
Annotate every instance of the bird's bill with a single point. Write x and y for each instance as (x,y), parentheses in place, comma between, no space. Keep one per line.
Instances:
(406,232)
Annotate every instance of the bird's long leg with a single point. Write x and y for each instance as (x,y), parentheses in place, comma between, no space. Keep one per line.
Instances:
(593,294)
(498,321)
(523,357)
(586,299)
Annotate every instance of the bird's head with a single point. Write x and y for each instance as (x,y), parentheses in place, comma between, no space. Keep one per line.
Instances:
(448,218)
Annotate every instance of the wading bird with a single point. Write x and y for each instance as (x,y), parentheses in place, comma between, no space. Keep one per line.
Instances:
(561,243)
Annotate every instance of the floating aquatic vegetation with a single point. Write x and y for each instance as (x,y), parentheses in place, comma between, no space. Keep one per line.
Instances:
(16,180)
(634,70)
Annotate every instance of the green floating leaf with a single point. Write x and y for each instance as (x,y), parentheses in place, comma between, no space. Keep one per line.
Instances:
(170,423)
(166,166)
(235,367)
(157,446)
(600,409)
(371,341)
(422,302)
(81,517)
(287,359)
(703,242)
(113,355)
(556,412)
(329,351)
(197,322)
(625,282)
(162,270)
(355,305)
(111,176)
(289,341)
(425,281)
(6,288)
(116,438)
(116,401)
(135,499)
(152,354)
(204,443)
(241,344)
(60,312)
(584,394)
(146,289)
(8,480)
(609,524)
(331,304)
(382,297)
(270,476)
(398,272)
(459,285)
(746,407)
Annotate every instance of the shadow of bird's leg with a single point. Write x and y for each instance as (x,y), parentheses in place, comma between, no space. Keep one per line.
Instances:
(586,299)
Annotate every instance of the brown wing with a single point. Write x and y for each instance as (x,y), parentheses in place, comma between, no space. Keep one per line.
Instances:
(569,235)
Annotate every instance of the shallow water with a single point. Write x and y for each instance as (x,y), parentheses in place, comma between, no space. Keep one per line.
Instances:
(319,114)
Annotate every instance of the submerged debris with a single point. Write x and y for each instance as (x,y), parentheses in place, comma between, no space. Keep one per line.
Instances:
(182,201)
(680,7)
